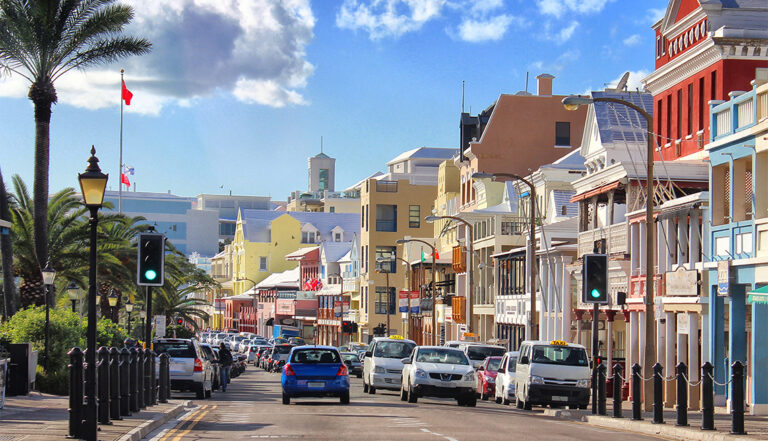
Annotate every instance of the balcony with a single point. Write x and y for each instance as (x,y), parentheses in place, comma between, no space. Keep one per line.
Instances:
(386,186)
(616,239)
(352,285)
(459,261)
(458,311)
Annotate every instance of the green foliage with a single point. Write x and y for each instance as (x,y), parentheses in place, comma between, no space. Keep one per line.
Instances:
(181,331)
(109,334)
(54,382)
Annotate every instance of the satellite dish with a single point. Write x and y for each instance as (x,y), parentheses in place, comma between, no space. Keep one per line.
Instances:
(622,85)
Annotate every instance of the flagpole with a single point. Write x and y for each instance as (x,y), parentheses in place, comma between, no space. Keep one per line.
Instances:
(120,170)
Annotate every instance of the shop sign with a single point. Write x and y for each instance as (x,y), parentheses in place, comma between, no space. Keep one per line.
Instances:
(285,307)
(723,277)
(337,308)
(683,324)
(682,282)
(658,308)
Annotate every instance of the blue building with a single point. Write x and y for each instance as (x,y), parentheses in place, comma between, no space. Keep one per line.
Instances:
(737,316)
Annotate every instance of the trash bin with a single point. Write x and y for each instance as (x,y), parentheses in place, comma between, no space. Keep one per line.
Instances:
(21,368)
(3,373)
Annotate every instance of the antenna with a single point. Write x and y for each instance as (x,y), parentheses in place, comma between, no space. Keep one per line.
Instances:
(462,96)
(526,82)
(321,143)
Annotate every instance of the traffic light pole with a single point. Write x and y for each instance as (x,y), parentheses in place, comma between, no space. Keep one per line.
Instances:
(148,328)
(595,354)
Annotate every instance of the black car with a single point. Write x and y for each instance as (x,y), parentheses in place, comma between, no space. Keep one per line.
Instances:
(354,366)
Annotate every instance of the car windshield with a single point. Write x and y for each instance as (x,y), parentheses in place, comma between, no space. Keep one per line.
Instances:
(209,352)
(493,364)
(481,352)
(393,349)
(564,355)
(282,349)
(442,356)
(175,349)
(315,355)
(350,357)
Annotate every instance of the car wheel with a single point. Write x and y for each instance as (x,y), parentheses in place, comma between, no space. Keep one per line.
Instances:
(365,387)
(470,402)
(527,405)
(403,394)
(498,399)
(208,393)
(286,398)
(359,375)
(483,396)
(504,398)
(412,398)
(518,403)
(344,399)
(460,402)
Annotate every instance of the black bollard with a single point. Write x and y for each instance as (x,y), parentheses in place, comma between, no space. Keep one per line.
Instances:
(601,389)
(102,375)
(140,378)
(75,392)
(134,388)
(707,397)
(125,382)
(658,392)
(617,384)
(637,398)
(164,380)
(737,399)
(114,384)
(153,376)
(147,377)
(682,395)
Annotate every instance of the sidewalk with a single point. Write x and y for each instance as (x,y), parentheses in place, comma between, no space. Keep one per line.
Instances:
(755,426)
(46,417)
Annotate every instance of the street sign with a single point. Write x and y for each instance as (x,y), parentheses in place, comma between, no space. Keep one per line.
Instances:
(159,326)
(337,309)
(723,277)
(403,301)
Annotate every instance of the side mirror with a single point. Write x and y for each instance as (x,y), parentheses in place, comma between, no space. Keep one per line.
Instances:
(481,368)
(405,360)
(501,370)
(368,354)
(524,360)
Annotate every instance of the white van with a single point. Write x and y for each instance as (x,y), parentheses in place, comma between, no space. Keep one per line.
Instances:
(382,365)
(554,373)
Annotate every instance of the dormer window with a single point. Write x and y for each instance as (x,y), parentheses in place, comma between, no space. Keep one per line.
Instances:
(309,234)
(337,234)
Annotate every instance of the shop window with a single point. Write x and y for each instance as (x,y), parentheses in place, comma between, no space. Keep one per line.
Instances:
(381,300)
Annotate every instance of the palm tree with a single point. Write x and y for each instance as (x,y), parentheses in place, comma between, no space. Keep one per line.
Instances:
(6,254)
(41,40)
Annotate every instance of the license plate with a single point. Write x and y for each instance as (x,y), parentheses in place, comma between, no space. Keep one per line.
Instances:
(315,384)
(559,398)
(389,380)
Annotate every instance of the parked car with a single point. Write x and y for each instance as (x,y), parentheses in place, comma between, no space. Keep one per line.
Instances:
(297,341)
(382,365)
(213,358)
(353,364)
(553,373)
(315,371)
(189,367)
(505,378)
(477,352)
(486,378)
(438,371)
(279,357)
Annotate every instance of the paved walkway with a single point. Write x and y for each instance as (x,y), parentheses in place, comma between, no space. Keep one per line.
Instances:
(42,417)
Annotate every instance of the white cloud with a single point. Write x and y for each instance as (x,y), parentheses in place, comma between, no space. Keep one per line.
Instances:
(562,35)
(486,29)
(634,82)
(559,7)
(387,18)
(632,40)
(254,49)
(558,65)
(655,15)
(485,6)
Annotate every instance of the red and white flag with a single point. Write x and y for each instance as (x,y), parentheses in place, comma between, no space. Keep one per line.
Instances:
(127,95)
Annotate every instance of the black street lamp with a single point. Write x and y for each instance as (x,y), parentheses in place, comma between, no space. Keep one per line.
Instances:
(93,184)
(143,317)
(129,309)
(112,300)
(49,275)
(75,294)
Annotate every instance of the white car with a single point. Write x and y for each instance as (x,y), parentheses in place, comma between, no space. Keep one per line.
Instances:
(554,373)
(438,371)
(382,365)
(505,378)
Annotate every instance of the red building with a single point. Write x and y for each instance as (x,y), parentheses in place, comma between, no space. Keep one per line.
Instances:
(704,51)
(240,313)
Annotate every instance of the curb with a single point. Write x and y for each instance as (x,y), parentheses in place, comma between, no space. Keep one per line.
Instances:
(149,426)
(666,430)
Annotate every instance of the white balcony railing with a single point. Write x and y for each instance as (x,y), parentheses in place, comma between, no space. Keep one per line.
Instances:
(616,238)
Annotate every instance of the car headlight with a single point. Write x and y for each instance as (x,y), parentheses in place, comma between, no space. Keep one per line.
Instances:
(490,380)
(379,370)
(469,376)
(535,379)
(583,383)
(420,373)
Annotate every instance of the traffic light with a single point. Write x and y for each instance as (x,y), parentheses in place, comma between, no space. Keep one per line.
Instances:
(151,260)
(346,327)
(179,321)
(595,279)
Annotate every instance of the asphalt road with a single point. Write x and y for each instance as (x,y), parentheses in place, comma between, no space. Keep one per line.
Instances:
(251,409)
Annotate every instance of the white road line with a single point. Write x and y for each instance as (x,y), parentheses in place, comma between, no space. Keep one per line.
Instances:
(438,434)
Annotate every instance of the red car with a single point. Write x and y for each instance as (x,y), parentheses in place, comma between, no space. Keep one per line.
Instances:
(486,377)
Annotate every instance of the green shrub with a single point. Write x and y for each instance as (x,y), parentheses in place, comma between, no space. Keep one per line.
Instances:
(181,332)
(55,382)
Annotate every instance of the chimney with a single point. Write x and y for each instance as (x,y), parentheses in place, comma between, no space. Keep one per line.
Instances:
(545,84)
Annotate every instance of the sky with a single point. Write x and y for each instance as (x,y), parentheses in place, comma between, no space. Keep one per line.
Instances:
(236,94)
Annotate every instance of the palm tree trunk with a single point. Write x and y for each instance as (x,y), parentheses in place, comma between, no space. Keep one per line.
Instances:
(43,95)
(6,254)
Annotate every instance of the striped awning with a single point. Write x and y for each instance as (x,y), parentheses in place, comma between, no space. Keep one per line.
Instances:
(596,191)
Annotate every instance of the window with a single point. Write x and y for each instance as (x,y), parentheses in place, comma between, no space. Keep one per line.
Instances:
(668,134)
(713,86)
(386,218)
(227,229)
(690,109)
(702,103)
(262,264)
(386,253)
(307,237)
(333,209)
(323,179)
(367,217)
(381,300)
(414,216)
(678,133)
(362,217)
(337,237)
(563,134)
(659,105)
(386,186)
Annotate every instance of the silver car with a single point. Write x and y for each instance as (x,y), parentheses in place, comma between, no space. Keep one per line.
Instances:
(191,369)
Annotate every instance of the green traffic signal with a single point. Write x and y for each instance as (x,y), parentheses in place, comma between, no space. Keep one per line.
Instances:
(595,294)
(150,274)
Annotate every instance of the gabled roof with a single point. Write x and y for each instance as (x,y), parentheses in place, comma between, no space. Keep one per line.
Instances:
(425,153)
(619,123)
(301,253)
(332,252)
(286,279)
(572,161)
(257,222)
(508,203)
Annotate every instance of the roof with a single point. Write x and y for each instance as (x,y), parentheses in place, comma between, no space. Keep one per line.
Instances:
(256,222)
(572,161)
(301,252)
(346,257)
(507,205)
(334,251)
(244,296)
(619,123)
(322,155)
(286,279)
(424,153)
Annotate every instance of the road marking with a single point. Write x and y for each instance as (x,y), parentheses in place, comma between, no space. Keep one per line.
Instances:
(187,417)
(193,423)
(408,422)
(438,434)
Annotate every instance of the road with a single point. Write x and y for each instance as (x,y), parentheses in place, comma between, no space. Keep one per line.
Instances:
(251,409)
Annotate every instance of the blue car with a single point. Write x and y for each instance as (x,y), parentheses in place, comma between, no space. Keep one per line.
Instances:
(315,371)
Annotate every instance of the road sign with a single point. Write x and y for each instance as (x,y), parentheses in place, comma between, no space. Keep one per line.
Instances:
(159,326)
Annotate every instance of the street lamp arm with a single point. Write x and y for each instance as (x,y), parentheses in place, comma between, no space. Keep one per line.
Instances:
(403,241)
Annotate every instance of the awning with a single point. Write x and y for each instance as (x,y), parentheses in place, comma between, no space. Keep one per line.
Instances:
(301,252)
(270,322)
(759,295)
(594,192)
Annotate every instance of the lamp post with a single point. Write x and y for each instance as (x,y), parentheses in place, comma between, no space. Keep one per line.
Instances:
(49,275)
(112,300)
(470,264)
(572,103)
(143,317)
(392,258)
(531,238)
(93,184)
(434,288)
(128,309)
(74,293)
(341,297)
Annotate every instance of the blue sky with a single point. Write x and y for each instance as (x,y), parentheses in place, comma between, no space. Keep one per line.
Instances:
(237,93)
